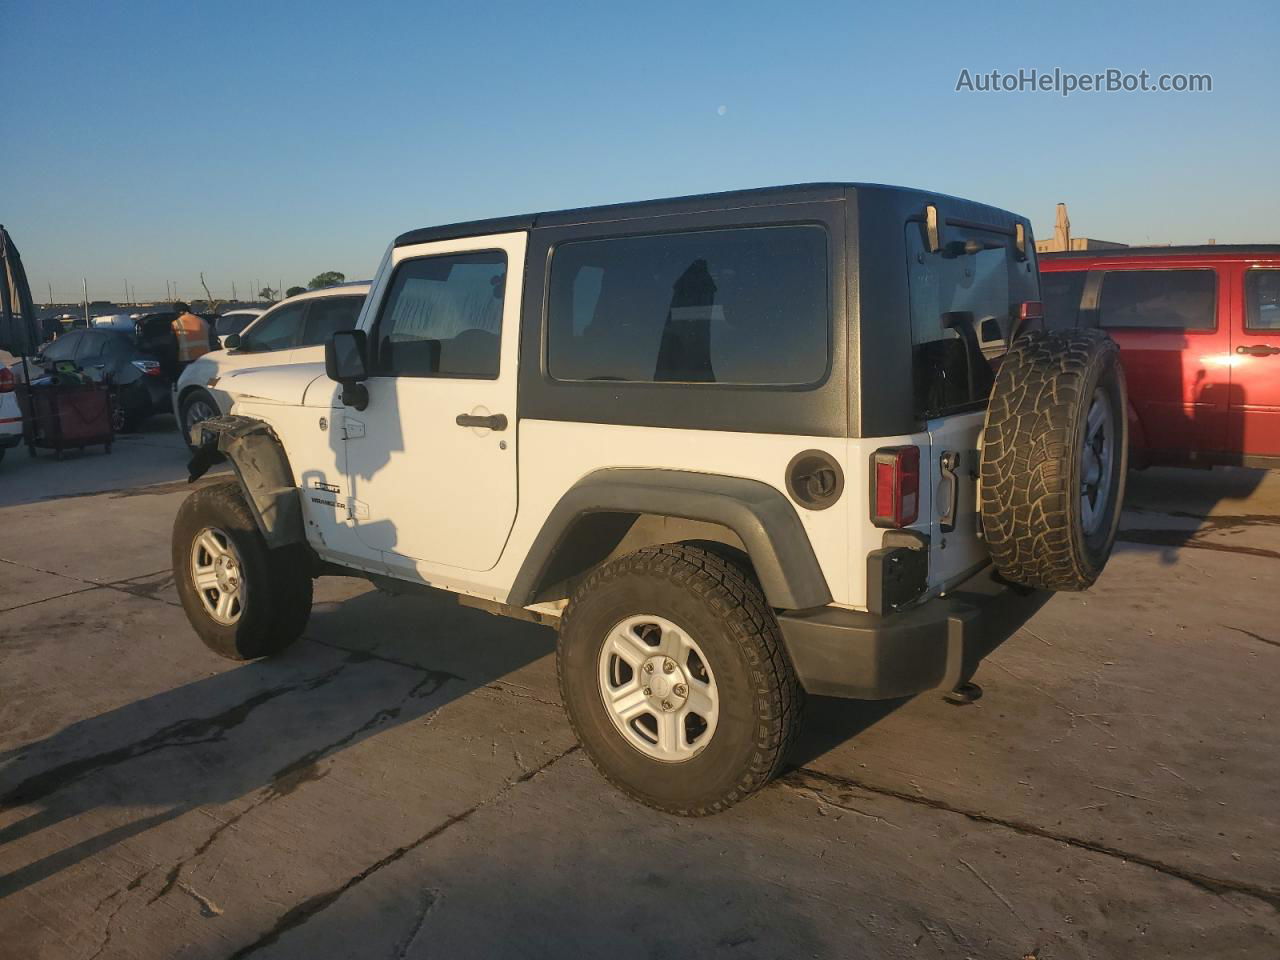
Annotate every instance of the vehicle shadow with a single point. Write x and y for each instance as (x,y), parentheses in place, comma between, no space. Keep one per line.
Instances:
(264,728)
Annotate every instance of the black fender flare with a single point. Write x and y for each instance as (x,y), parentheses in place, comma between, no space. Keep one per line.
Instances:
(261,466)
(761,516)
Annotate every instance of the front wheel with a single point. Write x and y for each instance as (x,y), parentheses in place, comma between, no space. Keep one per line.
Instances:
(675,679)
(196,406)
(243,599)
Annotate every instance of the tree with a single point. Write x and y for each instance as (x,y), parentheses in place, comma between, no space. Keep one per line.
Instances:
(294,291)
(330,278)
(268,294)
(213,304)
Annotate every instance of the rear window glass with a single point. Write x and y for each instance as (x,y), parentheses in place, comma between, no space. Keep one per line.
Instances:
(1158,299)
(745,306)
(961,315)
(1060,292)
(1262,299)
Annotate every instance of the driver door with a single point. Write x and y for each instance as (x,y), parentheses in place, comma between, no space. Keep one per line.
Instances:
(432,459)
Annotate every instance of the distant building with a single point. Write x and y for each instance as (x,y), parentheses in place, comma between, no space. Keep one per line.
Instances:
(1062,239)
(1078,243)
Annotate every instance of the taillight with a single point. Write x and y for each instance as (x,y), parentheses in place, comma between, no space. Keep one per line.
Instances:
(1030,310)
(895,486)
(149,367)
(6,380)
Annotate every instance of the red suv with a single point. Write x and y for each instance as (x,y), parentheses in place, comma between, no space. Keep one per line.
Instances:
(1199,335)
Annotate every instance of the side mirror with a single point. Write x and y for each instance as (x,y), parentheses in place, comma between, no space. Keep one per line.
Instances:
(345,361)
(231,341)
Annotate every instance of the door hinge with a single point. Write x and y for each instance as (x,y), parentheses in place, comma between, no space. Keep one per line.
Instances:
(351,429)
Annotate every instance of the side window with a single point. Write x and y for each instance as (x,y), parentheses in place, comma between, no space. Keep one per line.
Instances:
(1060,292)
(1262,300)
(747,306)
(443,317)
(328,316)
(276,330)
(1159,299)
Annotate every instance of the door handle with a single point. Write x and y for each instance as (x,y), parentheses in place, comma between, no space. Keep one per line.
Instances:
(950,501)
(495,421)
(1258,350)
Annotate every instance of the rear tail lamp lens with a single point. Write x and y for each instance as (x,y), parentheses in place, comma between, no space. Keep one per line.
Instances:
(6,380)
(150,367)
(895,486)
(1030,310)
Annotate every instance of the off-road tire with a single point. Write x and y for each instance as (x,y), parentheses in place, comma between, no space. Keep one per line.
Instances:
(1032,458)
(723,607)
(278,596)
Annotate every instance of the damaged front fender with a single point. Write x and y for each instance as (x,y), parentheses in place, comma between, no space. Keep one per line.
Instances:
(261,466)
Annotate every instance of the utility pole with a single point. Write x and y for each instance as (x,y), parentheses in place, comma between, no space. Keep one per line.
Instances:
(126,293)
(234,296)
(85,286)
(51,293)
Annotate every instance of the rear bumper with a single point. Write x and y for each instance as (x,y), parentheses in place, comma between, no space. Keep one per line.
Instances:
(935,646)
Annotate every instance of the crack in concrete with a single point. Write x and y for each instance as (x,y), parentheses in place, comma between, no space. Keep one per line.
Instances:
(304,911)
(1215,885)
(502,686)
(1255,636)
(302,770)
(183,733)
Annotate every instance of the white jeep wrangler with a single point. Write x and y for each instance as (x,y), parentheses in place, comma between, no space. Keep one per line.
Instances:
(737,446)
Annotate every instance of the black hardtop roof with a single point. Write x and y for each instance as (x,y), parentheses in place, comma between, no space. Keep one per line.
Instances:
(697,203)
(1226,249)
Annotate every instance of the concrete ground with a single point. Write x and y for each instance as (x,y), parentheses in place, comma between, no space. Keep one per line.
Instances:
(402,783)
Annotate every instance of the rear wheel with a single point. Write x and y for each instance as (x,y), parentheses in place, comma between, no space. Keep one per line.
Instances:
(1054,457)
(675,679)
(243,599)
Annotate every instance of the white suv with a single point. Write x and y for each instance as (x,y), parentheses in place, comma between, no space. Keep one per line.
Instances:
(293,331)
(736,447)
(10,412)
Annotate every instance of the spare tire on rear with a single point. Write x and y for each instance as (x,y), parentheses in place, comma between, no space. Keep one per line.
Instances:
(1054,458)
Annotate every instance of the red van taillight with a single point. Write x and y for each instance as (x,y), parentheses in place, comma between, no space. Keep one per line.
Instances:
(6,380)
(895,486)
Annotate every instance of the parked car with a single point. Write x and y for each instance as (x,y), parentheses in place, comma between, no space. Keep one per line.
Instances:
(293,331)
(234,321)
(1199,336)
(142,386)
(10,413)
(672,430)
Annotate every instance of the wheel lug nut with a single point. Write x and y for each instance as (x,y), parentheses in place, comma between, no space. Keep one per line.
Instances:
(668,666)
(666,704)
(648,668)
(648,692)
(680,690)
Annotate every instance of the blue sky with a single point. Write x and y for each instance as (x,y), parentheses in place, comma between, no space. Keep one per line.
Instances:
(271,141)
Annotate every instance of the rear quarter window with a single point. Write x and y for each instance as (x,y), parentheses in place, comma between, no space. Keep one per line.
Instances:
(743,306)
(1158,300)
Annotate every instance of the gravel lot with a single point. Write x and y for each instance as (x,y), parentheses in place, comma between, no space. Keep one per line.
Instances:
(402,783)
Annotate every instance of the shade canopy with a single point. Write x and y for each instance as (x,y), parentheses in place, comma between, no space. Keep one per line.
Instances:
(17,311)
